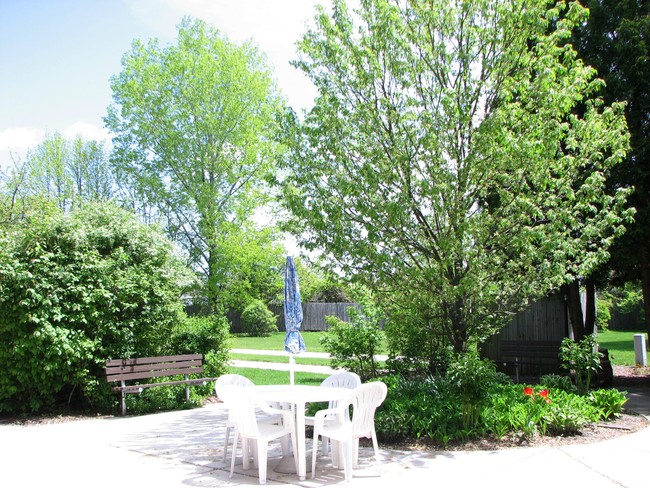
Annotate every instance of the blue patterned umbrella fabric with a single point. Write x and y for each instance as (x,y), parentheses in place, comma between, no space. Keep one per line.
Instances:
(293,342)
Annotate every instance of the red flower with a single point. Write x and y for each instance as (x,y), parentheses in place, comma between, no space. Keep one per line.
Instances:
(544,395)
(528,391)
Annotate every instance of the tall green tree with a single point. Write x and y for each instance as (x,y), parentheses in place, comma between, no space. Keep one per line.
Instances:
(194,125)
(443,163)
(616,41)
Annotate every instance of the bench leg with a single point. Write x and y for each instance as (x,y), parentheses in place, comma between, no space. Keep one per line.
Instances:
(517,369)
(123,399)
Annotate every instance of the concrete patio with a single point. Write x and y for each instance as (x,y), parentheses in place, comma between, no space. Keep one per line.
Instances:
(184,448)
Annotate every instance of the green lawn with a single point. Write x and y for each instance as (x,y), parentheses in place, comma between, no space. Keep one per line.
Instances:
(280,359)
(275,342)
(272,377)
(620,345)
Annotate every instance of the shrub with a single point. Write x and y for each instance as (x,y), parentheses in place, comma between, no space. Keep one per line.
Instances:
(207,335)
(583,358)
(76,290)
(353,345)
(258,320)
(416,346)
(569,413)
(603,311)
(429,408)
(473,378)
(608,402)
(200,334)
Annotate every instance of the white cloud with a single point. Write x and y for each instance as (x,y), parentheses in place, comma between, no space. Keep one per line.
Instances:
(19,139)
(15,142)
(87,131)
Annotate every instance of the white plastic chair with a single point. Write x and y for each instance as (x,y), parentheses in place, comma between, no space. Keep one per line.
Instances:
(336,424)
(249,428)
(340,379)
(222,382)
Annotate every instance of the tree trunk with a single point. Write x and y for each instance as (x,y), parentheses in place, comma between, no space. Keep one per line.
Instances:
(590,312)
(574,309)
(645,284)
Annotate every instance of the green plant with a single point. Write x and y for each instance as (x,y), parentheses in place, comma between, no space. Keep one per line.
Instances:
(609,402)
(353,345)
(209,336)
(583,358)
(603,311)
(557,382)
(258,320)
(474,379)
(77,289)
(200,334)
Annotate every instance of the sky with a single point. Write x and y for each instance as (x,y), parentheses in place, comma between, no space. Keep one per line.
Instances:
(56,56)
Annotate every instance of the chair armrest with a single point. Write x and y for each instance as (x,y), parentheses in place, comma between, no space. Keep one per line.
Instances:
(337,414)
(286,415)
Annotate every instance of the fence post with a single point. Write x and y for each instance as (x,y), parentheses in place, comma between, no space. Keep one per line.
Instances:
(640,357)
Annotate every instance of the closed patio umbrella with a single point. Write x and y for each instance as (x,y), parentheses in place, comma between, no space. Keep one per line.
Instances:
(293,342)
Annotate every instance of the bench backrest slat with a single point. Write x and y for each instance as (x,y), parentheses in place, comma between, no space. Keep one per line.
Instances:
(153,360)
(140,368)
(536,349)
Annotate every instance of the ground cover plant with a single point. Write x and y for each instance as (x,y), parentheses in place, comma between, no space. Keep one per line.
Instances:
(472,400)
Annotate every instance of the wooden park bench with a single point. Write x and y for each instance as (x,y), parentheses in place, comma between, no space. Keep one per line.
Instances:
(124,370)
(518,353)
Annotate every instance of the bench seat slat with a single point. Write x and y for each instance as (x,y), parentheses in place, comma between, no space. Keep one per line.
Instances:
(153,367)
(137,388)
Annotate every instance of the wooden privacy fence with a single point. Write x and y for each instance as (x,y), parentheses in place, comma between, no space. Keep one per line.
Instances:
(313,315)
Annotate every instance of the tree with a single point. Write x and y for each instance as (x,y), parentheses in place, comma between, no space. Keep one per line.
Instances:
(615,42)
(442,162)
(256,267)
(67,172)
(193,125)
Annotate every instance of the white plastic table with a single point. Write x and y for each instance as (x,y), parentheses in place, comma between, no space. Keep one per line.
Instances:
(299,396)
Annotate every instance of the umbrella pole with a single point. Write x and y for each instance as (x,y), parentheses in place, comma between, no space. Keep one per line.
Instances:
(292,362)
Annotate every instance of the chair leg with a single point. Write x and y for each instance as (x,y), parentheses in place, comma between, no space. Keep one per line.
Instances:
(225,444)
(286,446)
(246,454)
(337,453)
(355,453)
(262,459)
(234,453)
(375,445)
(294,446)
(347,459)
(314,452)
(326,446)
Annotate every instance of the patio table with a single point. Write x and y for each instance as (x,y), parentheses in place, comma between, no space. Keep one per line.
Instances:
(298,396)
